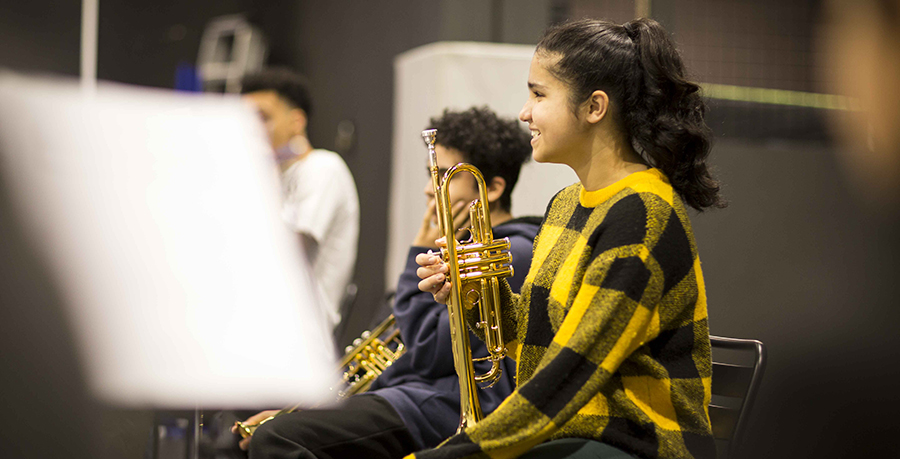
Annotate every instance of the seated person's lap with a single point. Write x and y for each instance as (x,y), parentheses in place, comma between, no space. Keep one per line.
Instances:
(575,448)
(362,426)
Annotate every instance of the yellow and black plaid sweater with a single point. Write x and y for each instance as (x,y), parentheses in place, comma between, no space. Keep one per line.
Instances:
(609,333)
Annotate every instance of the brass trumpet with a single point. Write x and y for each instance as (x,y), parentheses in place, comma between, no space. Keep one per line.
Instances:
(369,356)
(475,269)
(363,362)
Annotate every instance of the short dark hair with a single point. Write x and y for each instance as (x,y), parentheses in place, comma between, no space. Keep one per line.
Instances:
(289,85)
(497,147)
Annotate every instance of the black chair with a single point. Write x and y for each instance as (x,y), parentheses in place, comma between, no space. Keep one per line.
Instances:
(734,388)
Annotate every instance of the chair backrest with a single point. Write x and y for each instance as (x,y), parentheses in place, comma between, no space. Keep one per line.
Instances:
(734,388)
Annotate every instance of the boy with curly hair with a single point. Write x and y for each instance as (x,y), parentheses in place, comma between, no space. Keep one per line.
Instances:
(414,404)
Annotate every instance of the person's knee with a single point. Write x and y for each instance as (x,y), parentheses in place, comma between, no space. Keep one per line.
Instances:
(266,439)
(278,438)
(262,440)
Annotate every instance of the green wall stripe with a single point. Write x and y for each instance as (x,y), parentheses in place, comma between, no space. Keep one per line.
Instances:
(779,97)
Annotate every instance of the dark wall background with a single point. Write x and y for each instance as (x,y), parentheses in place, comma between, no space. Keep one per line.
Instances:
(40,36)
(799,263)
(799,260)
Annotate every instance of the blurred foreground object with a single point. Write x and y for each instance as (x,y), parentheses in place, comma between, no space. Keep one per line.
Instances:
(861,43)
(157,215)
(42,386)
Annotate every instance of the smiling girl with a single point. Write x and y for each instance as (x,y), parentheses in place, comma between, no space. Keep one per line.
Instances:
(610,330)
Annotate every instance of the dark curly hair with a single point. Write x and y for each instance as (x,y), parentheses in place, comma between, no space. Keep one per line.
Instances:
(497,147)
(289,85)
(638,67)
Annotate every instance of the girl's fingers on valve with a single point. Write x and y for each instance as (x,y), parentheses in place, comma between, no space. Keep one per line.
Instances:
(441,295)
(429,260)
(432,284)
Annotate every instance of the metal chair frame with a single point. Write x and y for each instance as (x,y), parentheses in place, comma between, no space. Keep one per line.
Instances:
(737,382)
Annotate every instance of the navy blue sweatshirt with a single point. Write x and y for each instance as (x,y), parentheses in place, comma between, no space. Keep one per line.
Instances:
(422,385)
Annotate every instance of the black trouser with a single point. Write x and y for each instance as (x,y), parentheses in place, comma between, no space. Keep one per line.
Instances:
(364,426)
(575,448)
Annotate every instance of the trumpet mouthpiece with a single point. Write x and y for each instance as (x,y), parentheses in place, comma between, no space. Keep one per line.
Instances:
(429,135)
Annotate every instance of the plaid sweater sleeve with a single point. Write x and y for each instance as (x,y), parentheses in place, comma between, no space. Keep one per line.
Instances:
(605,283)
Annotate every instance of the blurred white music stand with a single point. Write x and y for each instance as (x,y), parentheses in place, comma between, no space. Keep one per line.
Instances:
(158,216)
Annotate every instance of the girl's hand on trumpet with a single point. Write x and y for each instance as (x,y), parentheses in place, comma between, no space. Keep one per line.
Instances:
(432,270)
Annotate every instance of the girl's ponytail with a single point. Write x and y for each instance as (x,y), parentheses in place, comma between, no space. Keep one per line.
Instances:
(666,117)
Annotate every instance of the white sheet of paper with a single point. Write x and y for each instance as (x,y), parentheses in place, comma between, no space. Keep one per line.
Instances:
(158,214)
